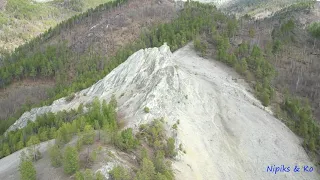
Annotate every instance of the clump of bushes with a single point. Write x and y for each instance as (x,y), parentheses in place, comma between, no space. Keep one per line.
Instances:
(154,134)
(152,160)
(71,160)
(200,46)
(120,173)
(146,109)
(70,97)
(126,140)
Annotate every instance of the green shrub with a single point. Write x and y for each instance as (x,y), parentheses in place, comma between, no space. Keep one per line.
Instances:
(265,98)
(120,173)
(86,175)
(99,176)
(88,135)
(70,160)
(146,110)
(79,144)
(314,29)
(170,149)
(70,97)
(146,171)
(55,156)
(79,175)
(27,170)
(93,156)
(175,127)
(200,46)
(126,140)
(276,46)
(287,27)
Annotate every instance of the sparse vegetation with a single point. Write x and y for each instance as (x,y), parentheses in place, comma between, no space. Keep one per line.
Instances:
(26,168)
(70,97)
(180,147)
(62,126)
(126,141)
(86,175)
(120,173)
(200,46)
(55,155)
(298,116)
(170,150)
(247,62)
(71,160)
(252,62)
(314,29)
(33,145)
(175,126)
(88,135)
(36,60)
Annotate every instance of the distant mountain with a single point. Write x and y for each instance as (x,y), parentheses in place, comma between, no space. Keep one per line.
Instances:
(254,8)
(22,20)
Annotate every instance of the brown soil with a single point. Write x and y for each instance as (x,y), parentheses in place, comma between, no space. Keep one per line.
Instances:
(106,31)
(18,93)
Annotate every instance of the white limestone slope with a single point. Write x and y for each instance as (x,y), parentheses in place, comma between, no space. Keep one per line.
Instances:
(223,128)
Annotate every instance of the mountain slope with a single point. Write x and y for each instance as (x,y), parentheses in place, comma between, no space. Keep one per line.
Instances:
(20,21)
(223,128)
(255,8)
(94,40)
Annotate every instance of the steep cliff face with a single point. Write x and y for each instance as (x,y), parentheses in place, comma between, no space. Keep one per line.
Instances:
(224,130)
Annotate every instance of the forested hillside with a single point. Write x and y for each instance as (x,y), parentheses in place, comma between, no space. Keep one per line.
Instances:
(95,128)
(74,54)
(191,21)
(279,57)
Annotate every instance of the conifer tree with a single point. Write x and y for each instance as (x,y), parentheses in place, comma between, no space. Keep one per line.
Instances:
(26,168)
(70,160)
